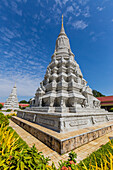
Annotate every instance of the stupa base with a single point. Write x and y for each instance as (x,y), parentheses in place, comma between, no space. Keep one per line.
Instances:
(63,143)
(65,122)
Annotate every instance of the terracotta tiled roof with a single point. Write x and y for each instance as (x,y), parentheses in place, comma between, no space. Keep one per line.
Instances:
(2,103)
(105,99)
(22,105)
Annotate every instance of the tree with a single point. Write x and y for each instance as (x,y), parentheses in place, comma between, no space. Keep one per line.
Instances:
(1,106)
(97,94)
(29,101)
(23,101)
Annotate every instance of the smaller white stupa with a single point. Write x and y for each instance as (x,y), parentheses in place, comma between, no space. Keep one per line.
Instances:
(12,101)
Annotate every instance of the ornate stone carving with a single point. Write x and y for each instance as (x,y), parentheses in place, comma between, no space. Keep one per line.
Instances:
(93,120)
(34,118)
(84,104)
(78,122)
(46,122)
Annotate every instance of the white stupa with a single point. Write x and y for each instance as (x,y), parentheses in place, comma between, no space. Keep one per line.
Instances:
(64,102)
(64,89)
(12,101)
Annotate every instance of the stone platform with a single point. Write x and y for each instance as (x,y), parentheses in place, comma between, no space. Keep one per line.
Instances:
(66,122)
(63,143)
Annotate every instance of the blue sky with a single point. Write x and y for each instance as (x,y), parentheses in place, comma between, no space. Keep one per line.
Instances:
(28,32)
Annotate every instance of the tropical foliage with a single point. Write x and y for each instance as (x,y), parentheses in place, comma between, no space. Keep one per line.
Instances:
(16,155)
(11,114)
(97,94)
(3,120)
(1,106)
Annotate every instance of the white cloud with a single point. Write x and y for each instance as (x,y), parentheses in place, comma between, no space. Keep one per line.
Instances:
(70,9)
(26,85)
(94,36)
(5,39)
(4,18)
(80,24)
(59,2)
(86,12)
(65,1)
(112,20)
(15,8)
(91,33)
(5,3)
(48,20)
(25,1)
(18,0)
(100,8)
(83,2)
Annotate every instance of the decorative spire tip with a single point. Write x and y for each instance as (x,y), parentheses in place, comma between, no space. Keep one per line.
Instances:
(62,20)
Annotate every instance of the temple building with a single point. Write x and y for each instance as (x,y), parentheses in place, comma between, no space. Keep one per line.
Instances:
(64,102)
(64,114)
(106,102)
(12,101)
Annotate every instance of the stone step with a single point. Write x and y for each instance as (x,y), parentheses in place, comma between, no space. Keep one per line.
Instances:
(63,143)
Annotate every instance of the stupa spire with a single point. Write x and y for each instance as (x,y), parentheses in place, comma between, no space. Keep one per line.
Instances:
(12,101)
(62,20)
(62,31)
(15,85)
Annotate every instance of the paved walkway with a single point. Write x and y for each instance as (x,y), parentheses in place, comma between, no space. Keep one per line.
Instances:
(82,152)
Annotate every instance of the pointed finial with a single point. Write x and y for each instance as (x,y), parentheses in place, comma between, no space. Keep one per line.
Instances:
(62,20)
(62,31)
(15,84)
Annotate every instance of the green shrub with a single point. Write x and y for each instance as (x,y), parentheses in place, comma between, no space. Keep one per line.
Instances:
(1,106)
(70,164)
(19,107)
(23,102)
(10,115)
(111,110)
(16,155)
(8,110)
(3,120)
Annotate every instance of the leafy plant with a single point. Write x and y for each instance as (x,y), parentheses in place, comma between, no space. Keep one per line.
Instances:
(1,106)
(100,159)
(72,156)
(8,110)
(10,115)
(16,156)
(3,120)
(70,164)
(111,110)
